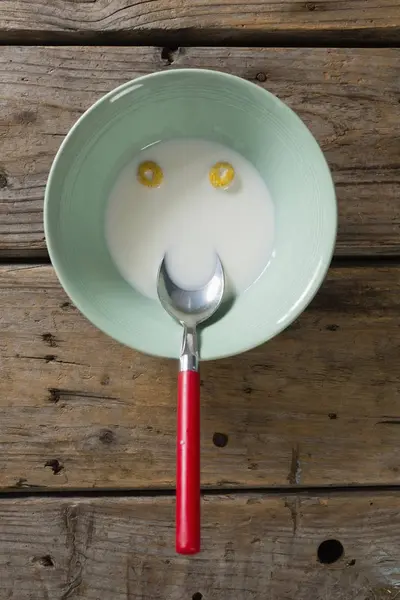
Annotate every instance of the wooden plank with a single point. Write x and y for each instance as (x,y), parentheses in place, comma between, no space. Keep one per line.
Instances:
(253,547)
(319,405)
(201,21)
(348,98)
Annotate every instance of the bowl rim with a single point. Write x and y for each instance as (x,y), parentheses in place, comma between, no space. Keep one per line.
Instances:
(56,259)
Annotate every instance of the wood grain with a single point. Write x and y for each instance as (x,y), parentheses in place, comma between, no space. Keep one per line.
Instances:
(348,98)
(319,405)
(254,547)
(203,21)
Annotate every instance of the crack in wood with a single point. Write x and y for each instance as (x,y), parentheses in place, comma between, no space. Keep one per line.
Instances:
(294,476)
(76,558)
(56,394)
(293,504)
(48,358)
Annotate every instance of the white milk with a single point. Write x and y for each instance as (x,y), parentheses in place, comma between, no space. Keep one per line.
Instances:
(190,219)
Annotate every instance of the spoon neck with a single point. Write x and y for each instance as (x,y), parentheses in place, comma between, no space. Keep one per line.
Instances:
(189,357)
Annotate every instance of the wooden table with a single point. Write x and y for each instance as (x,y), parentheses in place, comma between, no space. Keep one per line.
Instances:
(300,437)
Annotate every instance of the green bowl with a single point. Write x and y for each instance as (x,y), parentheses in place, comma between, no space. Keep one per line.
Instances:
(190,103)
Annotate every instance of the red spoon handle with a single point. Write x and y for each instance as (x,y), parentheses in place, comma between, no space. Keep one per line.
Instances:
(188,464)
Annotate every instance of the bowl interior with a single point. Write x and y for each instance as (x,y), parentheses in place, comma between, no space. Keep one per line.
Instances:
(179,104)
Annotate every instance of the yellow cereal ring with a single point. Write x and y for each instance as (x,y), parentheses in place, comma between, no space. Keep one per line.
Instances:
(150,174)
(221,174)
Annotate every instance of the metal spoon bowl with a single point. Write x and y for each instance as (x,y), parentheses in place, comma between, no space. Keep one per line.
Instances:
(191,307)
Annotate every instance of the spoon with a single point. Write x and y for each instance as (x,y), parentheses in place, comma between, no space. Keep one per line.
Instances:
(189,308)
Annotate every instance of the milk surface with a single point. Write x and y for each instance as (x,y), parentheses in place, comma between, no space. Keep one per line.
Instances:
(188,219)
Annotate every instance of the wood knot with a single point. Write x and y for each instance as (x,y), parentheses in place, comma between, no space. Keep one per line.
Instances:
(332,327)
(253,466)
(169,55)
(330,551)
(197,596)
(106,436)
(54,395)
(55,466)
(261,77)
(310,6)
(351,562)
(332,416)
(220,440)
(49,339)
(44,561)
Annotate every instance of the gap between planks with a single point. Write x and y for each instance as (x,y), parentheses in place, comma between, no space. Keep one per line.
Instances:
(170,41)
(293,491)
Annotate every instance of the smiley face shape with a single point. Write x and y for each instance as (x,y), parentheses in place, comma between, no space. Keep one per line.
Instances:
(190,198)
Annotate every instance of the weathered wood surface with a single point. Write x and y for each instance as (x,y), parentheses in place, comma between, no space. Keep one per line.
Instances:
(318,405)
(254,547)
(349,99)
(205,20)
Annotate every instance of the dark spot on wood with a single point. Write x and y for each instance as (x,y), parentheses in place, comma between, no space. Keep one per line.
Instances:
(310,6)
(49,358)
(65,305)
(253,466)
(351,562)
(261,77)
(106,436)
(332,416)
(220,440)
(169,55)
(197,596)
(395,469)
(261,368)
(105,380)
(25,117)
(295,469)
(253,501)
(247,389)
(3,179)
(49,339)
(223,482)
(229,554)
(371,503)
(167,562)
(332,327)
(255,541)
(330,551)
(44,561)
(54,395)
(201,382)
(149,428)
(55,466)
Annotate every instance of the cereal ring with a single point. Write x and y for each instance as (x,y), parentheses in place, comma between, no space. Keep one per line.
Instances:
(150,174)
(221,175)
